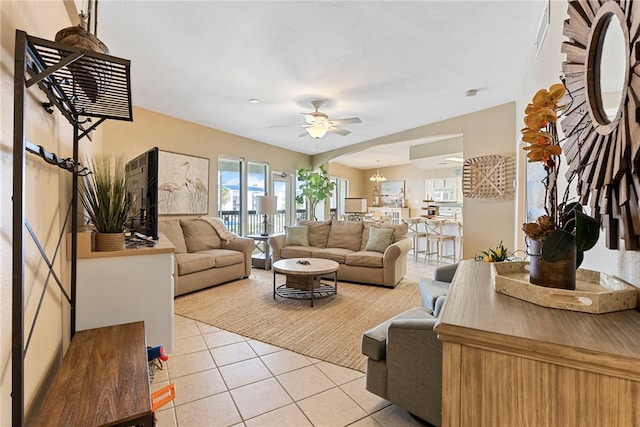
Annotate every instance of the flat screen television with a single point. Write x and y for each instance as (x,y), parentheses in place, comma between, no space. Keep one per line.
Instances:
(142,174)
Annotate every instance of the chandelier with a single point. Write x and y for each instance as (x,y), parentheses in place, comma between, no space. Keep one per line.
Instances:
(377,177)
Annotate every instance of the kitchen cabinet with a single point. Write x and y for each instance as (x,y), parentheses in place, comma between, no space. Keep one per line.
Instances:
(450,188)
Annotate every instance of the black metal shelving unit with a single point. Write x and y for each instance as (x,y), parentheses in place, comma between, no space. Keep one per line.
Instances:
(87,88)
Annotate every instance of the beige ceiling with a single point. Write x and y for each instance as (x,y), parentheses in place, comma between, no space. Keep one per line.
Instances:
(397,65)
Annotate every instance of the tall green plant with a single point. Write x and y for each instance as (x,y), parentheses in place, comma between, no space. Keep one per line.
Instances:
(104,194)
(315,187)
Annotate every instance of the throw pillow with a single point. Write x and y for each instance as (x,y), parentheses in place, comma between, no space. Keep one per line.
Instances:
(379,239)
(296,236)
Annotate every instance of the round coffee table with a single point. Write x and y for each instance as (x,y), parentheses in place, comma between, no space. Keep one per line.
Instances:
(303,278)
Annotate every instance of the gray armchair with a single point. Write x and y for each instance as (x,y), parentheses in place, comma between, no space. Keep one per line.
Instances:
(405,355)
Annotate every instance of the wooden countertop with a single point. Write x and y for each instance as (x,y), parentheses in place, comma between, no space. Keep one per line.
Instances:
(163,245)
(476,315)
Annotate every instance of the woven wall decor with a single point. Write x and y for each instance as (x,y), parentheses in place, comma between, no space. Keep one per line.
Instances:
(484,177)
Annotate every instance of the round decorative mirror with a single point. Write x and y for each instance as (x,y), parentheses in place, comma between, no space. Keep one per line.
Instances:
(602,144)
(612,69)
(607,67)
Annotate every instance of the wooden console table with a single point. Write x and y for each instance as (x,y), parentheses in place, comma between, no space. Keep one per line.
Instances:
(507,362)
(103,380)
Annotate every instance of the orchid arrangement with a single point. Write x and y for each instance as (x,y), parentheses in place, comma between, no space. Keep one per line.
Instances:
(564,224)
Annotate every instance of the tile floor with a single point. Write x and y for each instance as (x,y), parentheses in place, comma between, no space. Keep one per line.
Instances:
(224,379)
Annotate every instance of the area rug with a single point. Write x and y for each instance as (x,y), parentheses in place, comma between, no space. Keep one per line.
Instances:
(331,330)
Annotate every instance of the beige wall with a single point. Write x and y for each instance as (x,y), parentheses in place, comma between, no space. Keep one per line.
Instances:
(491,131)
(47,195)
(151,129)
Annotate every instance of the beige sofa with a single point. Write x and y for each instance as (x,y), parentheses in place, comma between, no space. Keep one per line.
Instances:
(203,259)
(346,242)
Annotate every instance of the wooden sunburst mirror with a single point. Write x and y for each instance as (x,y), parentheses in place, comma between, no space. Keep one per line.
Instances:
(602,144)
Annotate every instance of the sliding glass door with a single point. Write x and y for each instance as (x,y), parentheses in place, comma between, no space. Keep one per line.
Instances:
(239,183)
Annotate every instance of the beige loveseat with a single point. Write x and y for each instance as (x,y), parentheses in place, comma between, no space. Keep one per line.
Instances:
(204,259)
(346,242)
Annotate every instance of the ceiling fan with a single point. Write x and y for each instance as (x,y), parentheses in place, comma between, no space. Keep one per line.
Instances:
(318,124)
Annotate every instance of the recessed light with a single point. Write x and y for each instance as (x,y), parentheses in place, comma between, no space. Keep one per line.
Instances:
(254,101)
(471,92)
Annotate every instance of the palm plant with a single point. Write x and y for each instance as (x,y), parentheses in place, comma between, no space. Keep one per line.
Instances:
(104,194)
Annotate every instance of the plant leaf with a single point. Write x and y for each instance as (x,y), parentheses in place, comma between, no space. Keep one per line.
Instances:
(556,246)
(587,231)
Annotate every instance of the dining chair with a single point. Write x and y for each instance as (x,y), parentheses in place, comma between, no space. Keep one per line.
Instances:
(435,234)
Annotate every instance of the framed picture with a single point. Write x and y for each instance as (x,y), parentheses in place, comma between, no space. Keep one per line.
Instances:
(391,193)
(183,184)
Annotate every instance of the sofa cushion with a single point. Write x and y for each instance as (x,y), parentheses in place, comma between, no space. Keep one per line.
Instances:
(172,230)
(364,259)
(193,263)
(318,232)
(374,341)
(345,234)
(199,235)
(379,239)
(296,251)
(399,232)
(335,254)
(296,236)
(224,257)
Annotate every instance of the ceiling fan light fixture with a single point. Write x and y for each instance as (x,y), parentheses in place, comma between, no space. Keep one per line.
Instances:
(317,131)
(377,177)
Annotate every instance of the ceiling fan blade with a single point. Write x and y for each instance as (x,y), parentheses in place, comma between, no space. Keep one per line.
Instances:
(285,126)
(346,121)
(339,131)
(303,135)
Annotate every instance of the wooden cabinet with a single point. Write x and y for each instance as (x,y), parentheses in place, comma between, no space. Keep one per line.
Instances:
(394,215)
(507,362)
(127,286)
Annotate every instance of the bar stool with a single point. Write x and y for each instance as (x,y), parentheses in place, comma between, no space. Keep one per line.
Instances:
(415,234)
(435,234)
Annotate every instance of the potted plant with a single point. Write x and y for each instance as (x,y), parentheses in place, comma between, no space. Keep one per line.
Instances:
(316,186)
(104,195)
(559,237)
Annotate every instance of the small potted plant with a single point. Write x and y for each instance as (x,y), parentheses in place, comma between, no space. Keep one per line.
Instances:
(316,186)
(104,195)
(497,254)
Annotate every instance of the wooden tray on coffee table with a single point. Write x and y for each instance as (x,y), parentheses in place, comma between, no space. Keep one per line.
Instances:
(595,292)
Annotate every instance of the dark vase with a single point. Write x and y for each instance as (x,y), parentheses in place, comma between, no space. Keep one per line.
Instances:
(560,274)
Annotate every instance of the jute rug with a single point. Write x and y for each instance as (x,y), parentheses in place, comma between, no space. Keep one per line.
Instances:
(331,330)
